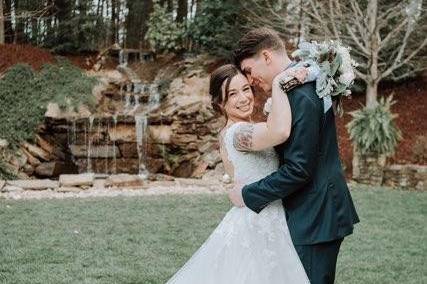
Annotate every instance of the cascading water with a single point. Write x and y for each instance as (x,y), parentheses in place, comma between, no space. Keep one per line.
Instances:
(89,146)
(141,126)
(141,136)
(132,95)
(114,145)
(108,149)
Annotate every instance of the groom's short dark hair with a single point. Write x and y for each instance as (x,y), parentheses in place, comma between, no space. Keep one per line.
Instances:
(254,41)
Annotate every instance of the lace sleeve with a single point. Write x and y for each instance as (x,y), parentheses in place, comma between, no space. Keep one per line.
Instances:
(238,131)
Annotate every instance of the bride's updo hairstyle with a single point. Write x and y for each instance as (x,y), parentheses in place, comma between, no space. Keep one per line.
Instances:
(220,75)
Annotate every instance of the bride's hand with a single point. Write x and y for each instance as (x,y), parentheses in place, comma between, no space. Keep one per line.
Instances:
(299,73)
(235,195)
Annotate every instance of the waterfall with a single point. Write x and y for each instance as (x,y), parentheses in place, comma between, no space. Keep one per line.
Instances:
(154,99)
(108,149)
(127,103)
(136,100)
(123,58)
(141,136)
(114,145)
(74,132)
(163,148)
(89,146)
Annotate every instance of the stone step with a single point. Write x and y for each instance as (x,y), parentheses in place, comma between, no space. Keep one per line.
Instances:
(125,180)
(40,184)
(76,180)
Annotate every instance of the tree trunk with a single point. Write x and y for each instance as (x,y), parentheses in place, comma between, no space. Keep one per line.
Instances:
(182,11)
(372,94)
(64,13)
(8,29)
(1,23)
(136,22)
(114,16)
(144,26)
(374,40)
(19,25)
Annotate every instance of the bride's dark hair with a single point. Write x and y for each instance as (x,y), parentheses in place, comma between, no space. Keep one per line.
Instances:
(220,75)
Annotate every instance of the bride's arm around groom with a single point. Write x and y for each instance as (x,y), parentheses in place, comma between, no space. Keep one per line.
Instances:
(310,179)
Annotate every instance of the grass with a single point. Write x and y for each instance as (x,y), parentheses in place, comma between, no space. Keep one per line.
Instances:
(146,239)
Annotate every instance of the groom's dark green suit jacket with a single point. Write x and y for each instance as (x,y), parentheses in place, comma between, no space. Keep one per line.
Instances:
(310,180)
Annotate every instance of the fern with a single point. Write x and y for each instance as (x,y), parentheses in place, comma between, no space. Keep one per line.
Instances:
(373,130)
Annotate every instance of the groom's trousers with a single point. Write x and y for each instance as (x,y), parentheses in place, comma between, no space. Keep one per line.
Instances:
(320,261)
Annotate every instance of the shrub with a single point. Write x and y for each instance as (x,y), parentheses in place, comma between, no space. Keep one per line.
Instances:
(164,34)
(25,94)
(419,149)
(217,26)
(372,130)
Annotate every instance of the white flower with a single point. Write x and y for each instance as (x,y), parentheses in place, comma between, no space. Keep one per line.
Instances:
(346,78)
(267,106)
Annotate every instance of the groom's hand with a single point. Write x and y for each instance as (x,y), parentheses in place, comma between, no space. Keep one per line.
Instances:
(235,195)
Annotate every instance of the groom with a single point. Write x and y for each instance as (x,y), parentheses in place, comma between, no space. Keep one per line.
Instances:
(310,180)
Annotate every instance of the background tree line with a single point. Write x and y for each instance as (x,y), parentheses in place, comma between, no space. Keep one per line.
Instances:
(88,25)
(387,37)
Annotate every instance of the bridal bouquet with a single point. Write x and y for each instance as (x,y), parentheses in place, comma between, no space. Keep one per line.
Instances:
(336,67)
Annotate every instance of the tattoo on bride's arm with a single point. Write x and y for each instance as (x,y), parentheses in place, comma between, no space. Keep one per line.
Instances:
(243,137)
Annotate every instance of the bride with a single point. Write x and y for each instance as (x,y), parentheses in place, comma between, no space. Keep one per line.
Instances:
(246,247)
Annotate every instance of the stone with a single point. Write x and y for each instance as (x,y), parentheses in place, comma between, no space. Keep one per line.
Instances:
(19,159)
(183,139)
(200,170)
(36,184)
(155,165)
(184,170)
(161,177)
(3,143)
(96,151)
(99,88)
(45,145)
(128,150)
(37,152)
(368,168)
(33,161)
(84,111)
(161,133)
(11,188)
(99,183)
(22,175)
(406,176)
(2,184)
(122,133)
(53,111)
(121,165)
(124,180)
(209,146)
(69,189)
(28,169)
(76,180)
(212,158)
(51,169)
(94,137)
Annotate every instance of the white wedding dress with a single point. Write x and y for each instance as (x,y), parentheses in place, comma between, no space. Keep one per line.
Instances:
(246,248)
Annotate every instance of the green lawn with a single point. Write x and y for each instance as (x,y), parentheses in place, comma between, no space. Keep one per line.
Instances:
(146,239)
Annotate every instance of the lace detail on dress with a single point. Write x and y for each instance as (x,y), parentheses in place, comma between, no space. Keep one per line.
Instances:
(249,166)
(247,248)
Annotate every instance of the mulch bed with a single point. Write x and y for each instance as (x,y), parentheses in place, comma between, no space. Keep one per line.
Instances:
(411,107)
(11,54)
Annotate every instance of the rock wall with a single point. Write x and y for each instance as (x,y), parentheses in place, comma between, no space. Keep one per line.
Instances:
(180,138)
